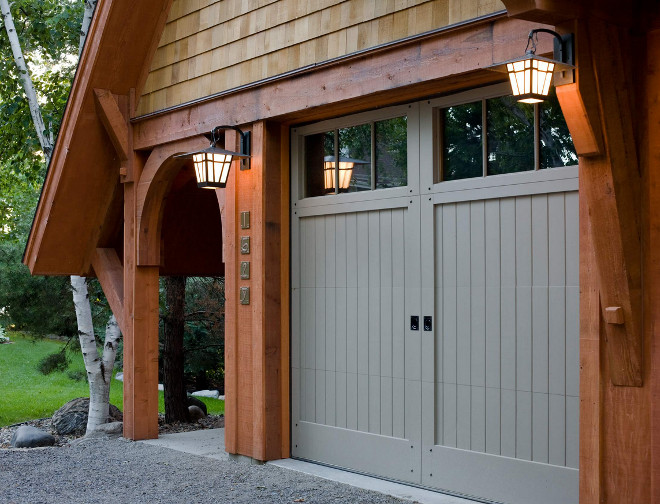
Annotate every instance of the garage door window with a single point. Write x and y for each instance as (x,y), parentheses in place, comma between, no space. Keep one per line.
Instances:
(518,137)
(354,158)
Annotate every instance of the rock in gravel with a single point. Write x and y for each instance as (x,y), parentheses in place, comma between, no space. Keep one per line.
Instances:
(27,436)
(195,413)
(193,401)
(72,417)
(112,428)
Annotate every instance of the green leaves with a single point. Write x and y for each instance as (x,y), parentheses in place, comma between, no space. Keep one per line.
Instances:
(49,33)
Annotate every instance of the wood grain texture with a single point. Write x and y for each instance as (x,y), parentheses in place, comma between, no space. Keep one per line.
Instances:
(612,187)
(109,271)
(257,392)
(209,47)
(114,121)
(114,55)
(436,65)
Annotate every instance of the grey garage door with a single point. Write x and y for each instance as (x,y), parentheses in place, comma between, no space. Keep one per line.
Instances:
(481,398)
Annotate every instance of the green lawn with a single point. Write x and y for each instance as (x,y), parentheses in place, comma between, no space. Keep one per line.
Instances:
(26,394)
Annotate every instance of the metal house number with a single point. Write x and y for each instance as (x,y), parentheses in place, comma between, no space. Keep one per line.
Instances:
(245,270)
(245,295)
(245,244)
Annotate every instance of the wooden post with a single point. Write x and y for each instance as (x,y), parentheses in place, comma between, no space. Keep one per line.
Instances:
(140,321)
(255,343)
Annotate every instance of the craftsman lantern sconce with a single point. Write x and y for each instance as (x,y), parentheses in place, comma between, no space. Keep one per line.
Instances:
(531,75)
(212,164)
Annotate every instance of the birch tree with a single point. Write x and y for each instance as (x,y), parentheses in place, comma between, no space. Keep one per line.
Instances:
(98,367)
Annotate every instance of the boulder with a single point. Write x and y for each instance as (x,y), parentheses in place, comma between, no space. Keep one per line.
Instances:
(193,401)
(195,413)
(214,394)
(72,417)
(27,436)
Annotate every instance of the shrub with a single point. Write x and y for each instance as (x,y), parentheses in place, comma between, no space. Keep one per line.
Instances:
(57,361)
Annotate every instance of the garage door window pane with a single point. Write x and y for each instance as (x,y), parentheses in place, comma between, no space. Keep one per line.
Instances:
(319,163)
(510,127)
(355,158)
(556,143)
(391,152)
(461,130)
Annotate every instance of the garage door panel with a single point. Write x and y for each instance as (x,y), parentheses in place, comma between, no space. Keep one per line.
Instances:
(368,453)
(500,478)
(504,330)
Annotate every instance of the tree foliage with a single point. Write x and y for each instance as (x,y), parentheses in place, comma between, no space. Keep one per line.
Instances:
(49,32)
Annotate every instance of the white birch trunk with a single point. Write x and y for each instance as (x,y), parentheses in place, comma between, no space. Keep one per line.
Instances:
(90,5)
(99,368)
(26,81)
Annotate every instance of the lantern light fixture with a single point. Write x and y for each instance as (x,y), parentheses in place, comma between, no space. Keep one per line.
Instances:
(530,76)
(212,164)
(344,169)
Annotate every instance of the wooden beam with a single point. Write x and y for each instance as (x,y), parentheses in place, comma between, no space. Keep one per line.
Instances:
(110,273)
(412,71)
(159,171)
(601,115)
(141,311)
(114,121)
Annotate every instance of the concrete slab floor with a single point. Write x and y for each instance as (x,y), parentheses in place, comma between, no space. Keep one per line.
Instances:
(211,443)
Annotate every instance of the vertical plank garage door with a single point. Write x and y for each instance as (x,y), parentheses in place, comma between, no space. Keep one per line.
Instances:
(356,369)
(482,399)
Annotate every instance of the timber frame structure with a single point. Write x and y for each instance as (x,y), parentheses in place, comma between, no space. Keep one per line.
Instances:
(118,205)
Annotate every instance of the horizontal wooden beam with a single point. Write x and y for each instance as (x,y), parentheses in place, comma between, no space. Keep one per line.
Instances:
(442,63)
(114,121)
(110,273)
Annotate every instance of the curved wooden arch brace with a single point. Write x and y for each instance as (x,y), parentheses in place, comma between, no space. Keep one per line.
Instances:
(159,172)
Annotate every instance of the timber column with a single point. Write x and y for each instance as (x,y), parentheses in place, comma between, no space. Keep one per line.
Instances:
(140,316)
(255,237)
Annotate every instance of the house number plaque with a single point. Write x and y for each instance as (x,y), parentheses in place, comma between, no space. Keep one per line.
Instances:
(245,270)
(245,295)
(245,244)
(245,220)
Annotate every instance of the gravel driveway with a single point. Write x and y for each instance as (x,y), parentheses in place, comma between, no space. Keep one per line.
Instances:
(121,471)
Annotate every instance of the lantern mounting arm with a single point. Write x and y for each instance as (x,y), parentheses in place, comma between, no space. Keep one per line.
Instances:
(244,136)
(563,49)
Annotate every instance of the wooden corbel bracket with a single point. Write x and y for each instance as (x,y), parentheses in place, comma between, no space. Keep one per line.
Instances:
(113,112)
(600,113)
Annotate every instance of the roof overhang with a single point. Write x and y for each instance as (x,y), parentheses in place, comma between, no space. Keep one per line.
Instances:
(83,174)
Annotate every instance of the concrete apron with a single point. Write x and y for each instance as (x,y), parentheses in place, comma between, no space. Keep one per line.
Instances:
(210,443)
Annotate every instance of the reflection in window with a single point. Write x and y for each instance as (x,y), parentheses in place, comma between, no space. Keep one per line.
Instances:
(319,172)
(556,144)
(519,137)
(355,158)
(377,148)
(391,152)
(510,133)
(461,140)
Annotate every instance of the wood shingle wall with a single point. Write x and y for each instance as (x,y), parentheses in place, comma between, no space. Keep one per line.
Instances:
(210,46)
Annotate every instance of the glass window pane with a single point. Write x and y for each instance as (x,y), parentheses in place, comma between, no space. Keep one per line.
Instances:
(391,152)
(510,127)
(355,158)
(319,164)
(556,143)
(462,155)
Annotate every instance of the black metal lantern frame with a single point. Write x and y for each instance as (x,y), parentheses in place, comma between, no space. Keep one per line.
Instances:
(531,75)
(213,163)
